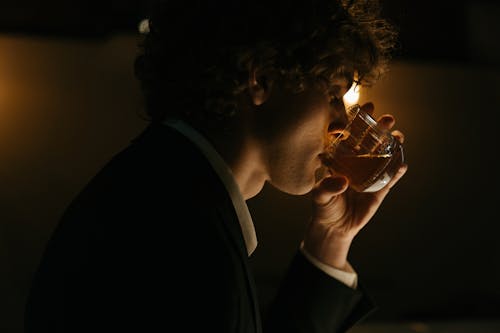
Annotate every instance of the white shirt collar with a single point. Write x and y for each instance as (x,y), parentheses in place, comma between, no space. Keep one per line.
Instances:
(227,177)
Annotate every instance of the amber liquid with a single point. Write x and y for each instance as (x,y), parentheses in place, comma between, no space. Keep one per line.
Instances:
(362,170)
(368,158)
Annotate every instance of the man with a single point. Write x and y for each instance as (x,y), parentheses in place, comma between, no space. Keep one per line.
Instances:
(238,94)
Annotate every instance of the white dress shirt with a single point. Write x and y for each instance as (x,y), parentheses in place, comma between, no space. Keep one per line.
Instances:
(244,217)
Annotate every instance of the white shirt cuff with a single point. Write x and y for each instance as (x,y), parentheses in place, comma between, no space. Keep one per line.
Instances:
(350,279)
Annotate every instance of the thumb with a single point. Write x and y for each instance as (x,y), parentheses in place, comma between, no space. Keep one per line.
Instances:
(329,187)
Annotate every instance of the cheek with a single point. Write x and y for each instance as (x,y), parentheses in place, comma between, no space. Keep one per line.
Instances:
(317,135)
(312,144)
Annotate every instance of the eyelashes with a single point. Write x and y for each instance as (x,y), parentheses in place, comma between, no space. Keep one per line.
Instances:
(334,100)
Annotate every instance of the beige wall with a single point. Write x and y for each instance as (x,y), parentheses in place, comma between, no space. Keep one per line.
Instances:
(66,106)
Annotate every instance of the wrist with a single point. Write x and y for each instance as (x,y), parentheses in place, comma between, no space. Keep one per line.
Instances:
(330,251)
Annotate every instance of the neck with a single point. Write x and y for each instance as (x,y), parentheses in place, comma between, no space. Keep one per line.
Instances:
(249,177)
(242,157)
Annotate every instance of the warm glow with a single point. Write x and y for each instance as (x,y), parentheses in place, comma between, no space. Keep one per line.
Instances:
(143,26)
(352,96)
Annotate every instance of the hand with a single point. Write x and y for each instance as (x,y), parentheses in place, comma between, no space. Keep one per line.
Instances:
(339,212)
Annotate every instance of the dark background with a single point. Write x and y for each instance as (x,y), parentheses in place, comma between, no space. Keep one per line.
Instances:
(68,101)
(458,31)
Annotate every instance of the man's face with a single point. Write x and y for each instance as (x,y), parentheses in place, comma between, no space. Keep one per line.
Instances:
(296,130)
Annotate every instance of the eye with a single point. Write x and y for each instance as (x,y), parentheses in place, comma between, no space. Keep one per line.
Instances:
(333,99)
(332,93)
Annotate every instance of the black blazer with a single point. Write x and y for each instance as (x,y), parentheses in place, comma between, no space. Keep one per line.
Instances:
(153,243)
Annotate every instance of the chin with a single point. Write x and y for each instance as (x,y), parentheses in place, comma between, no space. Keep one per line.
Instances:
(304,188)
(295,186)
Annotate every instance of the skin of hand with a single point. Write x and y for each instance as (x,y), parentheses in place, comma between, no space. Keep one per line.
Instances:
(339,213)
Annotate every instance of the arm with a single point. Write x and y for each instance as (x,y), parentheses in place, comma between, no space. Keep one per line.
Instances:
(339,213)
(311,300)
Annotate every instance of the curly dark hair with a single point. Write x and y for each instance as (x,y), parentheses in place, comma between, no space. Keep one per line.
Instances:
(195,59)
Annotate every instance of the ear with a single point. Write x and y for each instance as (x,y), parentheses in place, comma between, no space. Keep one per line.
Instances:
(259,86)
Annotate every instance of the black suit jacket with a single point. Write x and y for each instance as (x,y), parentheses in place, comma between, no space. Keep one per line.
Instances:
(153,243)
